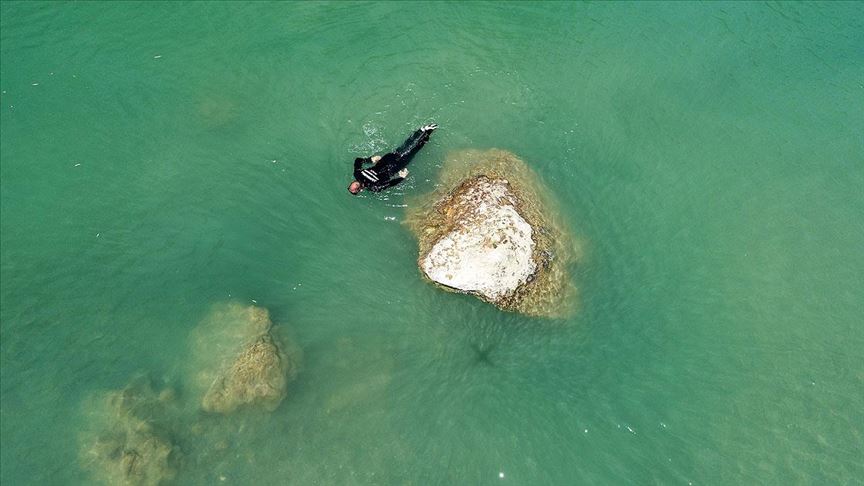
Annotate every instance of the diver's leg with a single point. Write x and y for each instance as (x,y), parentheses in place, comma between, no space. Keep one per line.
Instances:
(413,145)
(399,158)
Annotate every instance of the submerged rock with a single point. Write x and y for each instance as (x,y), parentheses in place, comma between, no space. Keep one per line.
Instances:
(130,444)
(243,362)
(490,231)
(257,376)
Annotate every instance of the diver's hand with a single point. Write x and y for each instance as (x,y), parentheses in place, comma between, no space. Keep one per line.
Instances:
(403,173)
(429,127)
(375,159)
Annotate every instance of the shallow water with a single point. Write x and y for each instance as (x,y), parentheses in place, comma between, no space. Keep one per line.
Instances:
(158,159)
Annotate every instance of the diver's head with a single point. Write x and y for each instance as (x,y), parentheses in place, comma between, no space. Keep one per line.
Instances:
(355,187)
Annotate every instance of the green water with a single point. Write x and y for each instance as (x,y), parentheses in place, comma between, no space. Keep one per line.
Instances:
(158,159)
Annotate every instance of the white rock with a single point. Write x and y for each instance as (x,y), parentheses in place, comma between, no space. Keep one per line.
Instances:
(490,230)
(489,250)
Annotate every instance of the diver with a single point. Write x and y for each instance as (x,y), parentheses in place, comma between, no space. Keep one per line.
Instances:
(389,170)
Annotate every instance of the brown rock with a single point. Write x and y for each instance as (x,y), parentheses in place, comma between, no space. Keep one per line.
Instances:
(257,377)
(239,360)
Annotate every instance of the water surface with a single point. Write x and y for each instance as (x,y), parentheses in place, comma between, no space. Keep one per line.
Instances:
(159,158)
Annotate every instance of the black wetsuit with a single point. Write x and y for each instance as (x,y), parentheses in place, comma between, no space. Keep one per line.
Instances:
(382,175)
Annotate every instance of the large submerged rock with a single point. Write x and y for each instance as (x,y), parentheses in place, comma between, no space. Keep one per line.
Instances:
(241,360)
(130,443)
(490,230)
(257,376)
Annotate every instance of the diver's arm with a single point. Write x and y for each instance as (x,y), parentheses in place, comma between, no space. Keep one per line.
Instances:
(358,163)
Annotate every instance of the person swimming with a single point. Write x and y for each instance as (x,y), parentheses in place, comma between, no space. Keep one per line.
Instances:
(391,169)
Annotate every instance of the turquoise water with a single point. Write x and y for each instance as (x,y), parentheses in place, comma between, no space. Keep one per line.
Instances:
(158,159)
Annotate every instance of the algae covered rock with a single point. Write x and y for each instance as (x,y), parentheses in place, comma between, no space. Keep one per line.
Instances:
(130,443)
(257,376)
(490,230)
(240,360)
